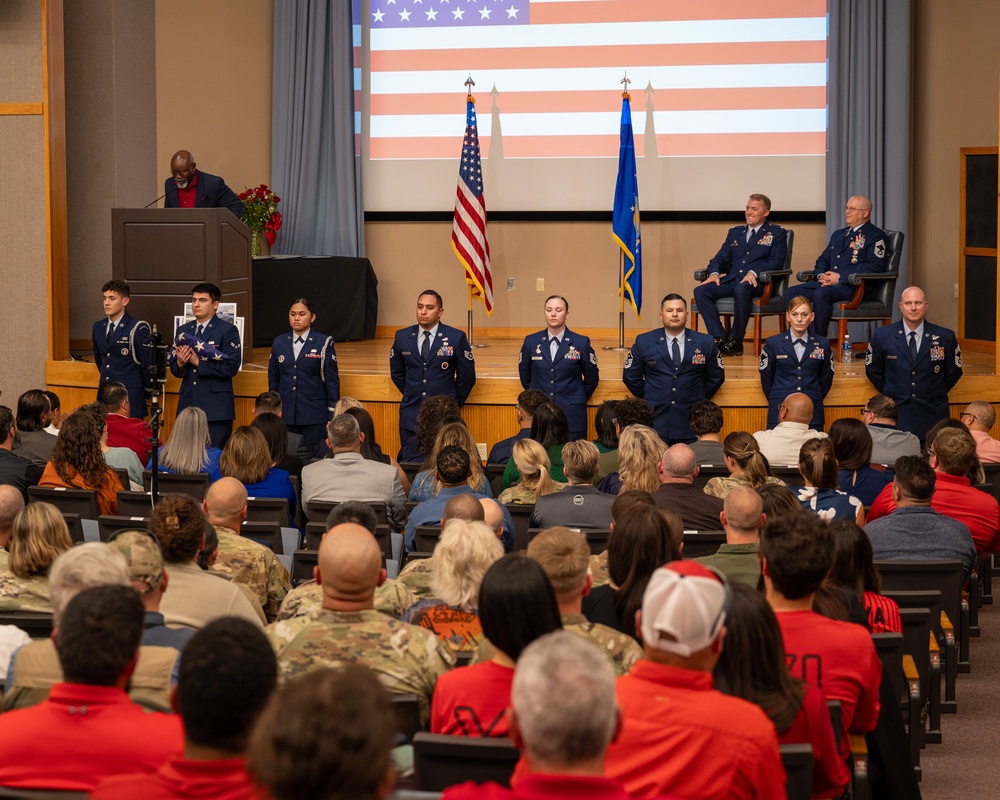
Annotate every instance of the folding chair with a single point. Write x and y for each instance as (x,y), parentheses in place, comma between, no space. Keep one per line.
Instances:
(265,533)
(521,513)
(36,625)
(798,762)
(303,562)
(268,509)
(319,510)
(69,501)
(406,708)
(440,761)
(195,486)
(108,525)
(702,543)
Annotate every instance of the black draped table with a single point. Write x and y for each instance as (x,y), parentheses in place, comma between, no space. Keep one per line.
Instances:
(344,291)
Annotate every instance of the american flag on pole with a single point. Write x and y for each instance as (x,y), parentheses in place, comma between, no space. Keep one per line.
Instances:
(468,231)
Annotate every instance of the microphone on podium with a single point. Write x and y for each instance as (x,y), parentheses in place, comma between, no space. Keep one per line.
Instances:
(157,200)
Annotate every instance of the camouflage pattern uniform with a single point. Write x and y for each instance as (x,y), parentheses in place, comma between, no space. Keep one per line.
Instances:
(417,576)
(391,598)
(253,565)
(24,594)
(3,559)
(599,569)
(405,658)
(623,650)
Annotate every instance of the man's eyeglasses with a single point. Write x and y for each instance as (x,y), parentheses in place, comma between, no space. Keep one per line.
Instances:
(867,411)
(966,414)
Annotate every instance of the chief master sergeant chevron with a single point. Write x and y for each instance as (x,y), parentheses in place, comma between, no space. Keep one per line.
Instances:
(437,362)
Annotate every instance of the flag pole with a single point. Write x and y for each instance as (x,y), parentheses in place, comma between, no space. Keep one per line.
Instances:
(469,83)
(621,258)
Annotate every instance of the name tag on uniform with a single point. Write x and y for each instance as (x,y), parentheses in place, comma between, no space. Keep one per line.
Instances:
(937,353)
(405,353)
(891,358)
(781,355)
(537,358)
(446,351)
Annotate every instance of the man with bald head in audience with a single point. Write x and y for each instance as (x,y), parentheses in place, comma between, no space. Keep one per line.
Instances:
(742,517)
(11,504)
(678,467)
(979,416)
(781,445)
(240,559)
(406,659)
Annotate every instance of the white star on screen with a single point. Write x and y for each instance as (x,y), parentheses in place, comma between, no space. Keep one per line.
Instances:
(404,16)
(458,13)
(512,12)
(431,15)
(484,13)
(378,16)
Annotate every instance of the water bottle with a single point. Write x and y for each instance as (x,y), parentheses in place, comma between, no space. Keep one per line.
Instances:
(847,357)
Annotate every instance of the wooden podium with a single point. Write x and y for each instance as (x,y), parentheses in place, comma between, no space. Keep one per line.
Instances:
(164,252)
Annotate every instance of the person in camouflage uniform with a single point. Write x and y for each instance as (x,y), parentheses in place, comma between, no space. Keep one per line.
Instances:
(348,629)
(392,598)
(39,536)
(240,559)
(11,504)
(565,557)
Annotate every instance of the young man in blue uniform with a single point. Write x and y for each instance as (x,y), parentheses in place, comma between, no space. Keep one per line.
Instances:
(207,382)
(438,361)
(749,251)
(122,349)
(562,365)
(673,368)
(916,363)
(860,247)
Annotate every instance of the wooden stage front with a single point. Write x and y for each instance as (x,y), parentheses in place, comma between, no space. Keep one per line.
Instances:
(364,374)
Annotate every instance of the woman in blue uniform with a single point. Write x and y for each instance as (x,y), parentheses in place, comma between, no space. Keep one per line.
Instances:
(303,370)
(796,361)
(560,364)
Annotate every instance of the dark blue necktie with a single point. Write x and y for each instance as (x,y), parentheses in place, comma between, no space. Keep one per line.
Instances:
(675,352)
(425,348)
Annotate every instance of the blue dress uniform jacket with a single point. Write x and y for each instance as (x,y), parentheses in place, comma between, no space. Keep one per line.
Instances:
(782,374)
(310,386)
(210,385)
(849,252)
(126,359)
(671,391)
(919,388)
(212,192)
(764,252)
(450,371)
(568,381)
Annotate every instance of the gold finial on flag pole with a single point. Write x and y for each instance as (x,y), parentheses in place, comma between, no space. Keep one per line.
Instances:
(624,82)
(470,83)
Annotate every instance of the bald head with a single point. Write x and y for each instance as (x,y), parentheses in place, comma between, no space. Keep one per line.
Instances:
(798,408)
(679,464)
(742,515)
(492,514)
(349,568)
(11,503)
(181,160)
(226,503)
(913,293)
(465,507)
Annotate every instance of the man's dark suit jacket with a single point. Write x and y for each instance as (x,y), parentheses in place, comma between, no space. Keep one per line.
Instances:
(212,193)
(699,511)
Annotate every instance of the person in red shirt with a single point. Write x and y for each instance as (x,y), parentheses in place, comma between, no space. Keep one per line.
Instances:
(124,430)
(952,456)
(226,677)
(680,735)
(837,657)
(88,728)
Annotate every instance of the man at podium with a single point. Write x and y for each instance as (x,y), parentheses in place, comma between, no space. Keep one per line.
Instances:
(189,187)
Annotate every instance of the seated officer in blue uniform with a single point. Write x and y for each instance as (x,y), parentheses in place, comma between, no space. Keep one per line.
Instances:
(560,364)
(915,363)
(122,349)
(673,368)
(749,251)
(437,362)
(860,247)
(207,382)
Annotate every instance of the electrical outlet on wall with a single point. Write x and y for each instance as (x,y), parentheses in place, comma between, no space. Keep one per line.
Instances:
(481,447)
(539,284)
(510,284)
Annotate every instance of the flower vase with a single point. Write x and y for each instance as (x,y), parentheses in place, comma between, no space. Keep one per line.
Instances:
(255,243)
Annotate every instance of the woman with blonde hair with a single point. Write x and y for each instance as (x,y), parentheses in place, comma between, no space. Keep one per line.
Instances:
(746,464)
(39,537)
(818,466)
(189,449)
(639,451)
(533,466)
(247,458)
(344,404)
(425,483)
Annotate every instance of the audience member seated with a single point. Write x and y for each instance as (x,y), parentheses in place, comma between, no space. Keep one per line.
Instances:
(516,606)
(639,452)
(952,457)
(407,659)
(854,571)
(33,441)
(705,419)
(550,428)
(463,554)
(452,472)
(228,674)
(779,500)
(565,557)
(14,470)
(579,505)
(527,402)
(121,458)
(240,559)
(533,471)
(976,473)
(77,461)
(677,470)
(739,557)
(326,734)
(197,597)
(752,666)
(270,403)
(563,715)
(679,735)
(124,430)
(11,504)
(115,736)
(56,415)
(34,669)
(852,447)
(624,501)
(276,435)
(606,426)
(433,411)
(888,442)
(370,447)
(980,417)
(915,530)
(188,451)
(39,535)
(835,657)
(345,404)
(348,475)
(818,467)
(747,467)
(642,542)
(781,445)
(247,458)
(456,434)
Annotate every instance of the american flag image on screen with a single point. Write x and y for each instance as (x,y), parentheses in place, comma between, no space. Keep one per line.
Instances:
(468,230)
